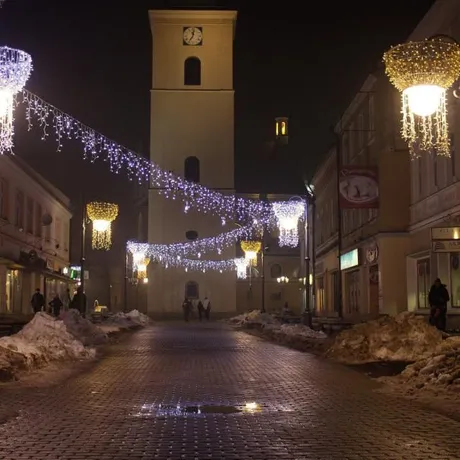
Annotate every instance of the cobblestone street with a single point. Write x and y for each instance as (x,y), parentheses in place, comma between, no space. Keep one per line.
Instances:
(141,402)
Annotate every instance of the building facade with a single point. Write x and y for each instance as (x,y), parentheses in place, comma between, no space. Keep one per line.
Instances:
(34,237)
(192,135)
(433,249)
(371,240)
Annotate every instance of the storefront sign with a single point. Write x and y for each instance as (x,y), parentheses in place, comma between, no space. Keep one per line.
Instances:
(446,246)
(349,260)
(359,187)
(445,233)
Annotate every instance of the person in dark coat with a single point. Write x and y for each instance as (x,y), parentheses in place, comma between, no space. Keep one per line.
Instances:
(37,301)
(56,305)
(79,301)
(438,298)
(187,308)
(200,309)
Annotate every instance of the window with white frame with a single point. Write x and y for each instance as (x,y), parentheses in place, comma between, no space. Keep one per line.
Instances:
(423,283)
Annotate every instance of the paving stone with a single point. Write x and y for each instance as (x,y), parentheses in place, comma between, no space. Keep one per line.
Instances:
(140,402)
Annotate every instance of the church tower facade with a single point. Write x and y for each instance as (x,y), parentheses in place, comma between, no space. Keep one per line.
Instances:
(192,135)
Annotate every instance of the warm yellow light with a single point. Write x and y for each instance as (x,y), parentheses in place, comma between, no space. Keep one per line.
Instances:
(283,128)
(145,280)
(310,279)
(422,72)
(424,100)
(251,249)
(142,269)
(456,235)
(251,406)
(102,215)
(277,129)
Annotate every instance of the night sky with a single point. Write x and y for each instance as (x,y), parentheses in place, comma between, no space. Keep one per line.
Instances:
(94,62)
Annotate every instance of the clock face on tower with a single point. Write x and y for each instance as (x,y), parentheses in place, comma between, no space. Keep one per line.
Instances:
(193,36)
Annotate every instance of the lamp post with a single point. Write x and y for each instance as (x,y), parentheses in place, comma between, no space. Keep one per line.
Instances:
(309,255)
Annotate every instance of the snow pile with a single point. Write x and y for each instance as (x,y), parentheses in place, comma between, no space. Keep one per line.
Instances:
(128,320)
(42,340)
(82,329)
(405,337)
(301,331)
(441,370)
(137,317)
(254,318)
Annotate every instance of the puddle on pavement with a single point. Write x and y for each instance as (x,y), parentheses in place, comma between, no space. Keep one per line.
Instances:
(160,410)
(381,368)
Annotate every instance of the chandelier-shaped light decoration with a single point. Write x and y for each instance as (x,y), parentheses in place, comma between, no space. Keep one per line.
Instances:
(102,215)
(241,265)
(141,268)
(422,72)
(15,70)
(251,249)
(287,215)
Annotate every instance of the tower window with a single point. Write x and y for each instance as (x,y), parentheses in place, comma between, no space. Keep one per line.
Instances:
(191,235)
(192,169)
(192,71)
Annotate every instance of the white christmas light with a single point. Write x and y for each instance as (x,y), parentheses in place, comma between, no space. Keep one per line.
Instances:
(241,268)
(197,265)
(96,146)
(192,248)
(288,214)
(15,70)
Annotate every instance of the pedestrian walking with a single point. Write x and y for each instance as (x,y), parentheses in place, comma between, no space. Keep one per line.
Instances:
(438,298)
(186,307)
(200,309)
(37,301)
(79,301)
(55,305)
(207,308)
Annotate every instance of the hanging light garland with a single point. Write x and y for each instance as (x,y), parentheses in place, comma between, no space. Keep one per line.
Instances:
(422,72)
(96,146)
(288,214)
(102,215)
(198,265)
(15,70)
(192,248)
(251,249)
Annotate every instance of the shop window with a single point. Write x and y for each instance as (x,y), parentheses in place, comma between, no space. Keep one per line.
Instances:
(192,290)
(353,291)
(455,280)
(423,283)
(320,294)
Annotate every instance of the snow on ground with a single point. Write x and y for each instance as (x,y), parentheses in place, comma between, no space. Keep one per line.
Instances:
(439,371)
(42,340)
(405,337)
(297,335)
(45,340)
(128,320)
(82,329)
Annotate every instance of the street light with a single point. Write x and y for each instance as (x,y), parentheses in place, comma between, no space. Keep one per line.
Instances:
(423,71)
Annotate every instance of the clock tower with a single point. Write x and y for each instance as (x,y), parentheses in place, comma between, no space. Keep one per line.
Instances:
(192,135)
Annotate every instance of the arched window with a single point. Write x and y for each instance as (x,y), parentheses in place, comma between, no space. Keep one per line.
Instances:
(192,290)
(192,169)
(275,271)
(191,235)
(192,71)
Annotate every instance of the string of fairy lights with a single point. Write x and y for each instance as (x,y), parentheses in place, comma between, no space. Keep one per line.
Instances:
(15,70)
